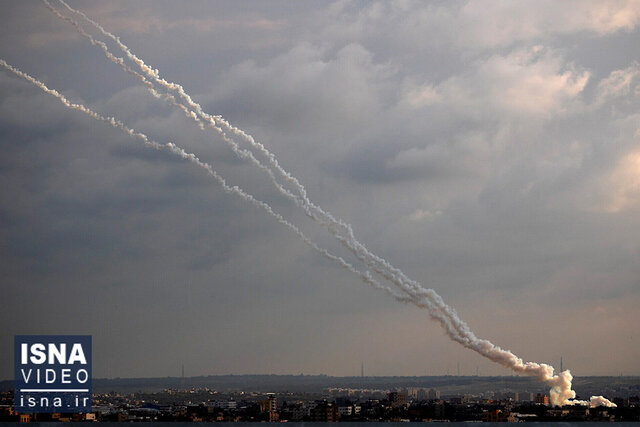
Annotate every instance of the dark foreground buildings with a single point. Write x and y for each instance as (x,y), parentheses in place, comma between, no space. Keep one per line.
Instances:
(332,405)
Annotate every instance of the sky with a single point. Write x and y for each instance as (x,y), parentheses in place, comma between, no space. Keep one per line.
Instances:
(490,150)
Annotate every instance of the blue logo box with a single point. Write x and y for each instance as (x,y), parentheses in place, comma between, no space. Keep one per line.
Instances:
(52,373)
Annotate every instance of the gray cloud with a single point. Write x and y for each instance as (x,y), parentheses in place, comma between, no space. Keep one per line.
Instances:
(491,152)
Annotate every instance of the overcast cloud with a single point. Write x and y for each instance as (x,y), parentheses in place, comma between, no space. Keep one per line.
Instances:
(489,149)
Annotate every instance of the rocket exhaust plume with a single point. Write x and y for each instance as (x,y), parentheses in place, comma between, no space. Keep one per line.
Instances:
(456,329)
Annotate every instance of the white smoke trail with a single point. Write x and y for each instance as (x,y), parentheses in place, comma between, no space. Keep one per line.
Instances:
(208,121)
(241,153)
(457,329)
(428,299)
(379,265)
(174,149)
(205,120)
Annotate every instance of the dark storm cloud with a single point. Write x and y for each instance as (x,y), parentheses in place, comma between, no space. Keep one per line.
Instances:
(498,164)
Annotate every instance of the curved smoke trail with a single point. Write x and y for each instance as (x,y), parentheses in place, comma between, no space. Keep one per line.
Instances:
(425,298)
(457,329)
(172,148)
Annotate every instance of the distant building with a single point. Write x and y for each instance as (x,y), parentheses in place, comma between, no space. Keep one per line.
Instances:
(325,412)
(427,394)
(397,399)
(295,412)
(433,394)
(542,399)
(229,404)
(345,411)
(494,416)
(269,406)
(439,409)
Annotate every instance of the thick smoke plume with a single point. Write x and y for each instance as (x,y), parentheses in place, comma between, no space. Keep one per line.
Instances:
(456,329)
